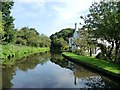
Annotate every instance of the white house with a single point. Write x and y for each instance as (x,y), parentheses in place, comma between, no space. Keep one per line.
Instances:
(72,44)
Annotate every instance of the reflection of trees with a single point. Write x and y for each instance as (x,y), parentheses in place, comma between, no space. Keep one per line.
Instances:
(0,76)
(79,72)
(92,80)
(7,76)
(59,59)
(95,82)
(24,64)
(33,60)
(82,73)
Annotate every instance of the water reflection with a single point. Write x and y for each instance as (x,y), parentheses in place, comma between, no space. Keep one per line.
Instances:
(32,61)
(59,59)
(24,65)
(82,77)
(48,70)
(7,76)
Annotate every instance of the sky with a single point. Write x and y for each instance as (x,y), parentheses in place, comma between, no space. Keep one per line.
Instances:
(49,16)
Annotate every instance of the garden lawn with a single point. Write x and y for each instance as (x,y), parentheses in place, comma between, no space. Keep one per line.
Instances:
(103,64)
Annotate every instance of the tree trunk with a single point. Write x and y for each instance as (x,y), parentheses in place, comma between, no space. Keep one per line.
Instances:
(116,49)
(110,52)
(90,52)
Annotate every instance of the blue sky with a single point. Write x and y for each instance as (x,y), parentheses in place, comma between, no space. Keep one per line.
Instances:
(49,16)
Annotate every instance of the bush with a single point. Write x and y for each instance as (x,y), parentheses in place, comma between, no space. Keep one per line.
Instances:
(101,56)
(79,52)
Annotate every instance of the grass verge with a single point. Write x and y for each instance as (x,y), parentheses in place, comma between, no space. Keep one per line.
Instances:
(97,63)
(11,53)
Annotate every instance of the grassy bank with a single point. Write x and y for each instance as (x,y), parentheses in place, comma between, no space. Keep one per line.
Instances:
(97,63)
(10,53)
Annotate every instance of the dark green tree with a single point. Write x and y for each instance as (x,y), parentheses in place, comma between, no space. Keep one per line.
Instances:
(105,22)
(59,40)
(7,21)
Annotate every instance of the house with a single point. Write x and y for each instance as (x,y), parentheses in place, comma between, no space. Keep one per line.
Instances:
(72,44)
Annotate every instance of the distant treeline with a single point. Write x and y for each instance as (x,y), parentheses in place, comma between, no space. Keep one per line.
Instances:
(30,37)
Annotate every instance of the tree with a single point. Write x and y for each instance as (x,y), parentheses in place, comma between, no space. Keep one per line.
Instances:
(64,33)
(59,40)
(44,41)
(30,37)
(59,44)
(105,21)
(7,21)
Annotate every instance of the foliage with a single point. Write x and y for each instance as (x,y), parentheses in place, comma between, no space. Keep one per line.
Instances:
(83,40)
(30,37)
(7,22)
(20,41)
(86,41)
(12,52)
(59,40)
(59,44)
(100,56)
(79,52)
(96,63)
(1,26)
(64,33)
(104,21)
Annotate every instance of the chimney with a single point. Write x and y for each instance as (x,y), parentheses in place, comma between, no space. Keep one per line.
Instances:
(76,28)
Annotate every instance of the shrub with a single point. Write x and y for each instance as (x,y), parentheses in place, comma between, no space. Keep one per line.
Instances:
(79,52)
(101,56)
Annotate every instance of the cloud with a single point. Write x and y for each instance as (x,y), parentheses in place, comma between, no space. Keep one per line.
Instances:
(49,16)
(69,13)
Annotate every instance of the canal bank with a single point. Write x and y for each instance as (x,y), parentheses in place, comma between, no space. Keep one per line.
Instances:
(11,53)
(106,68)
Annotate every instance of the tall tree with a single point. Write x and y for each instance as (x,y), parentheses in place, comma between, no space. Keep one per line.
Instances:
(7,21)
(105,21)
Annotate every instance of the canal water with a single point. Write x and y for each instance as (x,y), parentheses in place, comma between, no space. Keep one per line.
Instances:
(46,70)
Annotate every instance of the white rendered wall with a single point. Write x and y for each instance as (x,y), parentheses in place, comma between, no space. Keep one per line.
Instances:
(75,35)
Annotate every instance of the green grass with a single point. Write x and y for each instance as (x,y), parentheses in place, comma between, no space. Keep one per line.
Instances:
(10,53)
(97,63)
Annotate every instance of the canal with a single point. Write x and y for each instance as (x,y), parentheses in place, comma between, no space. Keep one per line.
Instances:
(46,70)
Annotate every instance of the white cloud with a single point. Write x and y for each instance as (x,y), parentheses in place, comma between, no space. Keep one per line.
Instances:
(57,14)
(70,12)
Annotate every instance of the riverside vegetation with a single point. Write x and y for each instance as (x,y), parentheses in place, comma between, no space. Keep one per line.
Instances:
(12,52)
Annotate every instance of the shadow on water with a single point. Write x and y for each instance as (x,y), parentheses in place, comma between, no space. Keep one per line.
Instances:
(52,70)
